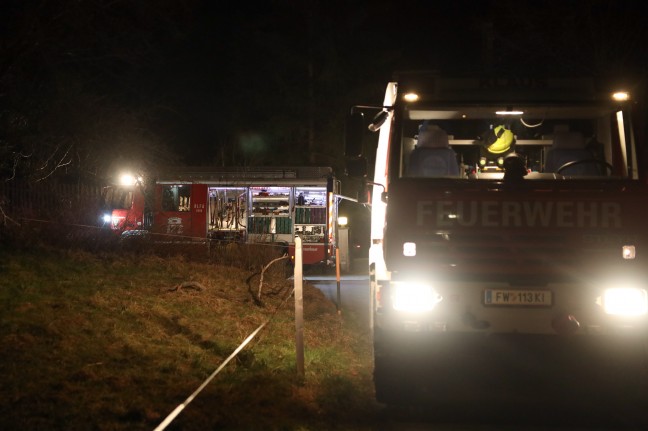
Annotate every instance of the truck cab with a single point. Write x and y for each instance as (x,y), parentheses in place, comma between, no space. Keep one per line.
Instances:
(123,206)
(508,240)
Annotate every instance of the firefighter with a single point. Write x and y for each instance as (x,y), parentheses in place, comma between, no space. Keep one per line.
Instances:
(497,143)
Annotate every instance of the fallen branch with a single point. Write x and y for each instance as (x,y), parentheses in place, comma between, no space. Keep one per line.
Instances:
(263,270)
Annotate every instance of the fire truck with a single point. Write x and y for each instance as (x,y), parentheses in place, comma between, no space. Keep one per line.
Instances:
(508,241)
(254,205)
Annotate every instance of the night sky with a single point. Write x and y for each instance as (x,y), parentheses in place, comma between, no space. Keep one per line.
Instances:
(245,83)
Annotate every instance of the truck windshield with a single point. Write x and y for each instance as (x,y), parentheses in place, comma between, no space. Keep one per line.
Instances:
(544,142)
(118,198)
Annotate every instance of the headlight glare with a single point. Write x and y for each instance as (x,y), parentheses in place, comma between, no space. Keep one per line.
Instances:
(414,297)
(625,301)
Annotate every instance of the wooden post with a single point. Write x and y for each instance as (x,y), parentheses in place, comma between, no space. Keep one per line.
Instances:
(338,303)
(299,308)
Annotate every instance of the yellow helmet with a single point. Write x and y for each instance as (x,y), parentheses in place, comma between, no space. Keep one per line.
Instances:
(500,140)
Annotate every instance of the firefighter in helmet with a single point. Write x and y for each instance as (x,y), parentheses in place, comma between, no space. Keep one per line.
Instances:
(497,143)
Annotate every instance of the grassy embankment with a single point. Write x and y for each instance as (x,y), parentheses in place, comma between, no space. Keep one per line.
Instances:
(108,342)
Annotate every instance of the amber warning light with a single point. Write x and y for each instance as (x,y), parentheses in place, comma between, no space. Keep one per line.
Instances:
(411,97)
(621,96)
(628,252)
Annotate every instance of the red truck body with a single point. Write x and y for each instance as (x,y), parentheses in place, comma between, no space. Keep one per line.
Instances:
(255,205)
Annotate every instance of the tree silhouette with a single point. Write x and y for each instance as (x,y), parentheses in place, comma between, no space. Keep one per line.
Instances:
(75,87)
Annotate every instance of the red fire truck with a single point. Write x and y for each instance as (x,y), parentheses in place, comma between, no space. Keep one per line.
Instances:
(508,242)
(232,204)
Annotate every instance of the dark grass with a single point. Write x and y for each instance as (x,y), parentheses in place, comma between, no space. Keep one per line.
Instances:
(104,339)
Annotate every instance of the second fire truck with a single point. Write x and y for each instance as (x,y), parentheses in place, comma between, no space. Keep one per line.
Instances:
(254,205)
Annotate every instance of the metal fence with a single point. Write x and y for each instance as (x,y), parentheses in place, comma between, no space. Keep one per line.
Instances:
(73,203)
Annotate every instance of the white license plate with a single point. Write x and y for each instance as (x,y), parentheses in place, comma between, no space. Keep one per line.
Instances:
(518,297)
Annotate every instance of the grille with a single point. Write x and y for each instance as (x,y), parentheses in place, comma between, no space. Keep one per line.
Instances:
(548,254)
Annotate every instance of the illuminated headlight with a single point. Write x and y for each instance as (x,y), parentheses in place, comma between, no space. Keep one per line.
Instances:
(625,301)
(107,218)
(409,249)
(414,297)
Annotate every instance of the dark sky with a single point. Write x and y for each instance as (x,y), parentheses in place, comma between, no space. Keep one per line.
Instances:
(251,82)
(265,49)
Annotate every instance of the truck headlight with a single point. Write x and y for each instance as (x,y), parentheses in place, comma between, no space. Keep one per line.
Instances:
(625,301)
(413,297)
(107,218)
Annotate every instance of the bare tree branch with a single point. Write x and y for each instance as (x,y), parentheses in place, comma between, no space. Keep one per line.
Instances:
(46,162)
(16,160)
(6,218)
(263,270)
(59,164)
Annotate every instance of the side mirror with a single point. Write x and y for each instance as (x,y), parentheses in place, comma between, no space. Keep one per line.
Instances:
(378,121)
(364,193)
(354,133)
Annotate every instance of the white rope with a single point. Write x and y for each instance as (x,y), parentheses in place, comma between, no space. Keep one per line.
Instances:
(191,397)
